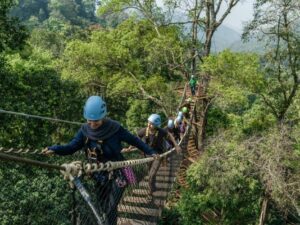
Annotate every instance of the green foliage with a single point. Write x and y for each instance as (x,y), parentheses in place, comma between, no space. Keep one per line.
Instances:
(217,119)
(12,33)
(76,13)
(235,68)
(48,40)
(234,174)
(280,62)
(257,119)
(138,114)
(220,186)
(32,87)
(118,60)
(31,196)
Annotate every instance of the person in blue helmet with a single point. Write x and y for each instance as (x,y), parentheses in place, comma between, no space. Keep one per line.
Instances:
(180,114)
(175,131)
(101,139)
(179,125)
(155,137)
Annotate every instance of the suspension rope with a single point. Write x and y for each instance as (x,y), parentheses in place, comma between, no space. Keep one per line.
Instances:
(8,157)
(77,168)
(39,117)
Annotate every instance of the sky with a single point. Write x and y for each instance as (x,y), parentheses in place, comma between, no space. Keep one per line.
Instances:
(241,13)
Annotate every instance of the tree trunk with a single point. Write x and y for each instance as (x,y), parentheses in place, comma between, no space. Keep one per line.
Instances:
(263,212)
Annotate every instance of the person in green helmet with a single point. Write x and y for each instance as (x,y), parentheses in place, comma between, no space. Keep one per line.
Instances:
(185,112)
(193,83)
(185,118)
(187,103)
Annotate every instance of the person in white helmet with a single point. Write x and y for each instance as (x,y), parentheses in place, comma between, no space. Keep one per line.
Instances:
(175,131)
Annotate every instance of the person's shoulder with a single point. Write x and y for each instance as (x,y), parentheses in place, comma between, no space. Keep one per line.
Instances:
(111,121)
(163,131)
(142,131)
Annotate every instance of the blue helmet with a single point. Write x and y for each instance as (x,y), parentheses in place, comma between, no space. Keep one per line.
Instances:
(171,124)
(178,119)
(180,114)
(95,108)
(155,120)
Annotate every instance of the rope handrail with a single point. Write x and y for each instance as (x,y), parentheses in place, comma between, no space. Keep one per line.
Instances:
(20,151)
(8,157)
(39,117)
(88,168)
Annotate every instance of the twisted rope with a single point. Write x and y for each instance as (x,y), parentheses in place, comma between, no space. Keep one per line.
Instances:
(20,151)
(109,166)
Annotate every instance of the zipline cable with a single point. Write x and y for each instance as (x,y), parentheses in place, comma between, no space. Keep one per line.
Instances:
(39,117)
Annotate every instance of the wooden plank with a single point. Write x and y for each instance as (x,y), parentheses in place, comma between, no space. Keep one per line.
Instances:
(143,192)
(143,200)
(164,173)
(138,210)
(127,221)
(163,178)
(157,185)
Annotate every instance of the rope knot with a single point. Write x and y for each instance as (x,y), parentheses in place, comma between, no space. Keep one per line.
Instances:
(73,169)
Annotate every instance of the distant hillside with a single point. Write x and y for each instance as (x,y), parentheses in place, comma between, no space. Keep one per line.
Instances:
(251,46)
(226,37)
(223,38)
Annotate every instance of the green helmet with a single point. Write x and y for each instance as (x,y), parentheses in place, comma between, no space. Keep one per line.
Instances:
(189,99)
(184,109)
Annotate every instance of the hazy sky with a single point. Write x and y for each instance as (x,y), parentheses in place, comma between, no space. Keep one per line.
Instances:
(241,13)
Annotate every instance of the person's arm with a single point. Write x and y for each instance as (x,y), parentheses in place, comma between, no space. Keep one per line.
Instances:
(68,149)
(141,133)
(129,138)
(172,139)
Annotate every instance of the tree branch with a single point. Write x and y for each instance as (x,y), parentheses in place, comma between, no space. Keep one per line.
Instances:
(150,97)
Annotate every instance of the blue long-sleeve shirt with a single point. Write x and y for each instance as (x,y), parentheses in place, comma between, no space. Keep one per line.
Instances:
(111,146)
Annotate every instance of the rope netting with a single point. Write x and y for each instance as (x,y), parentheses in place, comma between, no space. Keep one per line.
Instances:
(108,193)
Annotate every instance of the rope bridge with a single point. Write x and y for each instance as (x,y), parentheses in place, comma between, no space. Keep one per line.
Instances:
(121,194)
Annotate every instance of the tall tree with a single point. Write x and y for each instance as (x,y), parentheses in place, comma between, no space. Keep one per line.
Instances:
(198,15)
(278,22)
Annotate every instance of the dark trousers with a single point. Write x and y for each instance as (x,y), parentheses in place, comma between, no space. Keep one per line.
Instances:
(193,90)
(108,198)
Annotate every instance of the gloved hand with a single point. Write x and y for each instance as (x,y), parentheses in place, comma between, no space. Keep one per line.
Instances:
(178,149)
(156,156)
(47,152)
